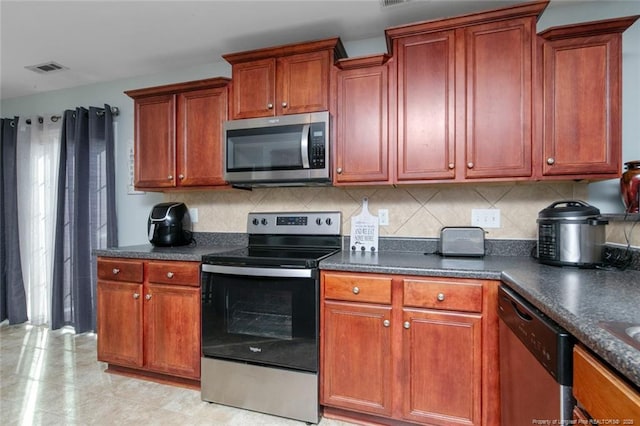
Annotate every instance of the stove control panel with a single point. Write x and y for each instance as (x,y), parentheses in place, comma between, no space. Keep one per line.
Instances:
(295,223)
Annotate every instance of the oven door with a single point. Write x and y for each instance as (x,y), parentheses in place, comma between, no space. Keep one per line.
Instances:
(263,316)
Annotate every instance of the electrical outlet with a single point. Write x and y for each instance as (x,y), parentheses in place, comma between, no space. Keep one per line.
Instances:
(383,217)
(193,212)
(485,218)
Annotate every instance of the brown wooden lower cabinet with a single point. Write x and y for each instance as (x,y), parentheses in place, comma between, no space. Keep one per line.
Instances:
(148,318)
(409,349)
(602,395)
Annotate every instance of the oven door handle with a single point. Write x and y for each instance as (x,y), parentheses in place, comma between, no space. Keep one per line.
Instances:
(259,272)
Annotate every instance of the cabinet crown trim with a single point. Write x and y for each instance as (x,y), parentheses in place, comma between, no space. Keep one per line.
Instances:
(288,49)
(362,61)
(169,89)
(585,29)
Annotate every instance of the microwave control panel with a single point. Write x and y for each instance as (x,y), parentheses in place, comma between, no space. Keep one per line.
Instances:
(317,146)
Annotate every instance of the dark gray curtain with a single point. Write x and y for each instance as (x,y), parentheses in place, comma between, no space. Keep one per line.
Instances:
(85,217)
(13,301)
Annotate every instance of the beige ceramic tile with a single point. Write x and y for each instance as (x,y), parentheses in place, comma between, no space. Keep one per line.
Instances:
(443,204)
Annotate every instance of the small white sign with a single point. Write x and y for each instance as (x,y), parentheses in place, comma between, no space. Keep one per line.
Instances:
(364,230)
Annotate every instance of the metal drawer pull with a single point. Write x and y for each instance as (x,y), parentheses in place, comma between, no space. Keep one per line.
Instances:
(406,325)
(270,106)
(356,290)
(169,274)
(440,297)
(148,297)
(170,177)
(136,295)
(284,105)
(116,271)
(551,161)
(386,323)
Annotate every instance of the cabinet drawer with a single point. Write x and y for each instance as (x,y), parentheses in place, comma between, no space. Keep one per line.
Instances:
(437,294)
(183,273)
(120,270)
(601,392)
(357,288)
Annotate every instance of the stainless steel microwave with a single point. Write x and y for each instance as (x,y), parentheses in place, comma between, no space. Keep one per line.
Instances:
(285,150)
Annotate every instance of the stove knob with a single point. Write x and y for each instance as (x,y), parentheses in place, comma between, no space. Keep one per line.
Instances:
(264,221)
(328,221)
(255,221)
(318,221)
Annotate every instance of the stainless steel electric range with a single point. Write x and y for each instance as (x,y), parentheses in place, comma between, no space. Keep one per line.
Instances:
(260,315)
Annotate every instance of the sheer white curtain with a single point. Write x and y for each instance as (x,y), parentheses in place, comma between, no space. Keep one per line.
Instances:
(38,156)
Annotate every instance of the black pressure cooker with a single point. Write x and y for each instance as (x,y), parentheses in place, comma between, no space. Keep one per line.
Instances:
(571,233)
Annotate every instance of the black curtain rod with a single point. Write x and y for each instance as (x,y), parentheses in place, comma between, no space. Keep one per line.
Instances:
(114,110)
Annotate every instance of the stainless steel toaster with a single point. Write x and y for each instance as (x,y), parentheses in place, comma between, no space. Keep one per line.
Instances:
(461,241)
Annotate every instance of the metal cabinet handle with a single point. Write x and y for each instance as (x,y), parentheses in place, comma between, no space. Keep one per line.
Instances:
(115,271)
(169,274)
(148,297)
(551,161)
(406,325)
(339,170)
(136,295)
(356,290)
(170,177)
(270,106)
(452,166)
(470,165)
(386,323)
(180,176)
(284,105)
(440,297)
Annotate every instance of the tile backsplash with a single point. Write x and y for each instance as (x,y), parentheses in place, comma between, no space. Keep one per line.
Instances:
(414,211)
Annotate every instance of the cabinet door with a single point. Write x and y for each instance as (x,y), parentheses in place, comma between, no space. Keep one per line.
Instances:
(254,89)
(442,361)
(155,158)
(119,323)
(172,330)
(498,68)
(362,145)
(582,120)
(356,361)
(303,83)
(426,106)
(199,139)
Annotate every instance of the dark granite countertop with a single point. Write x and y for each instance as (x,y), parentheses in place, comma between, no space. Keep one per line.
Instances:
(147,251)
(577,299)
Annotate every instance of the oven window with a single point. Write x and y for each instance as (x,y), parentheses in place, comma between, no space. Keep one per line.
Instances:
(262,320)
(260,312)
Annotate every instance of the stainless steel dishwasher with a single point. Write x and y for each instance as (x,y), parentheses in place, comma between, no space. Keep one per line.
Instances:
(535,364)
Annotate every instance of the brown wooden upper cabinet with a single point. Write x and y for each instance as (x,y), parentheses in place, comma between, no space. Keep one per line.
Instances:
(582,99)
(362,117)
(178,131)
(289,79)
(464,96)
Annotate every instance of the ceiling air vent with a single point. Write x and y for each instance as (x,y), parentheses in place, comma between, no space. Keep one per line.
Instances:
(47,67)
(390,3)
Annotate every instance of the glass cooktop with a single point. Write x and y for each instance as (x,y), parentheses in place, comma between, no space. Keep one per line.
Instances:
(267,256)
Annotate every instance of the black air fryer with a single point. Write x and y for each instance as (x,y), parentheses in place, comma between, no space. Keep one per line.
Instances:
(169,224)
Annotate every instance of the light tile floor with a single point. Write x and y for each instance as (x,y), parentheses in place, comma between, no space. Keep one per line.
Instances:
(53,378)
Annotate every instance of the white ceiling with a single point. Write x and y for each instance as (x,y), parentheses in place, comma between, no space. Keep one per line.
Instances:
(108,40)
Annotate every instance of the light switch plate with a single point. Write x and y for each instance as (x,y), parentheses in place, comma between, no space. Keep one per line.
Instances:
(193,212)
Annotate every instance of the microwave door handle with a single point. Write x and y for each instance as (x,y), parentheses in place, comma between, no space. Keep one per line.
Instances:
(304,146)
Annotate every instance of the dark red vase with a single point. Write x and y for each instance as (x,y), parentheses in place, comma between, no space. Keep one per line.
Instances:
(629,185)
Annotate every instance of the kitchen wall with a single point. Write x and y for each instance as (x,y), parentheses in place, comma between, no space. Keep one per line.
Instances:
(414,211)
